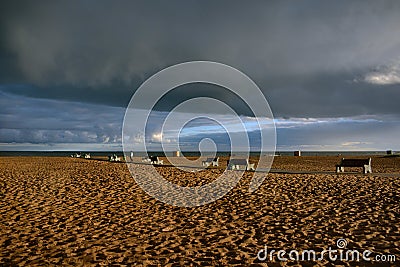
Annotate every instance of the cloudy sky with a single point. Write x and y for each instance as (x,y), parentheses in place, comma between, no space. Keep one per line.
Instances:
(330,70)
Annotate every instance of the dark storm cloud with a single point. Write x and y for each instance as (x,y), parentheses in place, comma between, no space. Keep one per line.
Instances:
(310,58)
(32,120)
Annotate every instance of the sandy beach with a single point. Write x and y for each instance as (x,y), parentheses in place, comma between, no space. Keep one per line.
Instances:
(75,212)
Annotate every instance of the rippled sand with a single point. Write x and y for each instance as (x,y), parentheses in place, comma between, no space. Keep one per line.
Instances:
(66,211)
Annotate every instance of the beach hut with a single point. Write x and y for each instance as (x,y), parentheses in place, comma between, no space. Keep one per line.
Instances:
(177,153)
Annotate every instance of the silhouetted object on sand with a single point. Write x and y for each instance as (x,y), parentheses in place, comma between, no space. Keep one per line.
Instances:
(156,161)
(297,153)
(365,163)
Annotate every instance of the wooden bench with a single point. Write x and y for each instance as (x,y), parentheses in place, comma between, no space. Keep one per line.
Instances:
(146,159)
(365,163)
(114,157)
(210,161)
(240,164)
(156,161)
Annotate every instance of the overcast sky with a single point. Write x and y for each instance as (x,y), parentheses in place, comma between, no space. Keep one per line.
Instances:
(330,70)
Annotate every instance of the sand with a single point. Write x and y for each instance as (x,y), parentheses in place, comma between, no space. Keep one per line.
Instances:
(67,211)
